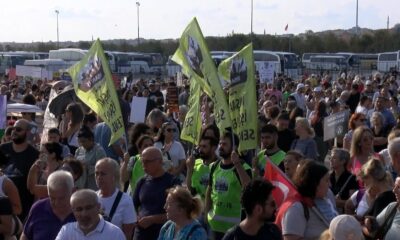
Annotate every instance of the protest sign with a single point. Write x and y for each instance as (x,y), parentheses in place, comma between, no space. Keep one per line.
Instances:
(172,99)
(238,70)
(266,72)
(138,110)
(336,125)
(194,57)
(94,86)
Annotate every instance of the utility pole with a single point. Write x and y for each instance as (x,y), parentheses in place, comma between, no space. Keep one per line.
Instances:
(138,36)
(357,18)
(58,35)
(387,23)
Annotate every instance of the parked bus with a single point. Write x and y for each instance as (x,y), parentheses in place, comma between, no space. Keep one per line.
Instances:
(284,62)
(389,61)
(9,60)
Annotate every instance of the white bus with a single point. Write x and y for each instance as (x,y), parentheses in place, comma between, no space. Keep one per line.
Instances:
(9,60)
(284,62)
(331,62)
(389,61)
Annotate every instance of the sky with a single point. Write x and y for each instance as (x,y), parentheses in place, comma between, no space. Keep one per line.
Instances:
(32,21)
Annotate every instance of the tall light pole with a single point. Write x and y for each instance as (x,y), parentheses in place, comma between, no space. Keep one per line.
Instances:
(357,17)
(137,6)
(251,22)
(58,36)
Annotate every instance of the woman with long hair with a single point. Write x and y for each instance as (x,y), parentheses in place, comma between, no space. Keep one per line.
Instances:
(173,151)
(305,144)
(377,192)
(317,122)
(362,148)
(50,160)
(356,120)
(182,210)
(308,214)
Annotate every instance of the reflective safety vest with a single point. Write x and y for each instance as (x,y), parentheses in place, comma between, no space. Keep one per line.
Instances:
(200,177)
(277,158)
(137,172)
(226,189)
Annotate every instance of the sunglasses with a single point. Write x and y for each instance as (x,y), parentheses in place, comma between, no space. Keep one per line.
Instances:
(170,130)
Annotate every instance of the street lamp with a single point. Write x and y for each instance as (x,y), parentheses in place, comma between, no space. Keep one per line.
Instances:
(137,6)
(251,22)
(58,39)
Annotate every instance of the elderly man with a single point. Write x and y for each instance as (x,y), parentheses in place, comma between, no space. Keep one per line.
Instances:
(89,225)
(48,215)
(116,205)
(20,157)
(150,195)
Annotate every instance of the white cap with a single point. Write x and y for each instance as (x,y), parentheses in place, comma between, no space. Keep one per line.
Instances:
(300,85)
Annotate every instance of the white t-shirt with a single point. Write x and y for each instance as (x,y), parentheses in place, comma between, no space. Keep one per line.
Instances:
(176,152)
(125,212)
(295,223)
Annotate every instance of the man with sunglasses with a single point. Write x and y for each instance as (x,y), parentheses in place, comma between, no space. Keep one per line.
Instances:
(20,157)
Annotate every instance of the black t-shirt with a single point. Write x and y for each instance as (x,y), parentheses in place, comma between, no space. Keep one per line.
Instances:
(285,139)
(382,201)
(336,186)
(149,197)
(268,231)
(17,169)
(5,209)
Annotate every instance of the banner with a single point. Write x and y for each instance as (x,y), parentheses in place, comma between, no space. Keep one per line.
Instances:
(94,86)
(195,59)
(336,125)
(238,70)
(192,125)
(284,188)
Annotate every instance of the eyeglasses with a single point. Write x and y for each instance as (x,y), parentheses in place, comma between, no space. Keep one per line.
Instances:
(170,130)
(84,208)
(362,120)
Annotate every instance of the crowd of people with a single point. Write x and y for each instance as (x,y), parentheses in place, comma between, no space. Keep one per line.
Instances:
(67,182)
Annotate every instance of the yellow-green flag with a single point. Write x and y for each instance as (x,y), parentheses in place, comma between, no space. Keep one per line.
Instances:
(238,70)
(192,125)
(195,59)
(94,86)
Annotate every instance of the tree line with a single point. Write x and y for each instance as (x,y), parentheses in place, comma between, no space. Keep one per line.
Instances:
(371,42)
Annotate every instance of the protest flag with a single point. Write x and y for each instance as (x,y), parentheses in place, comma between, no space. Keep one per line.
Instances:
(284,188)
(238,71)
(93,84)
(192,124)
(195,59)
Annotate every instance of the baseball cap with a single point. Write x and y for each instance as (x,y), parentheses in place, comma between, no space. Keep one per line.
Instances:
(368,82)
(300,85)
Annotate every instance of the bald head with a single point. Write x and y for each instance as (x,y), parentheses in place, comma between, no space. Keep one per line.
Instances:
(152,161)
(152,153)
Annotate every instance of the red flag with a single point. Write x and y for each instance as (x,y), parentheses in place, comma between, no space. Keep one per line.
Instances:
(284,188)
(287,26)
